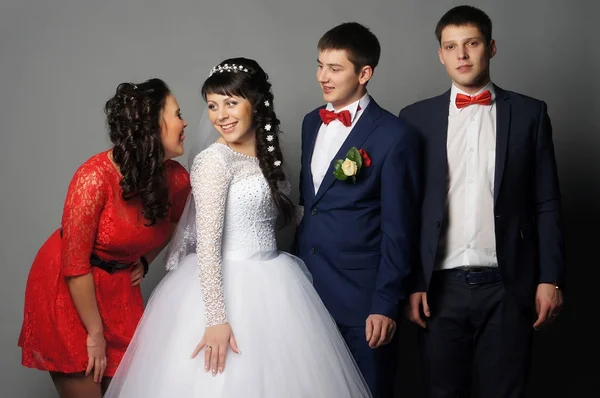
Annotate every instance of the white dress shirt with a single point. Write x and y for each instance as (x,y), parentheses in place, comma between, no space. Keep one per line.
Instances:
(468,238)
(330,139)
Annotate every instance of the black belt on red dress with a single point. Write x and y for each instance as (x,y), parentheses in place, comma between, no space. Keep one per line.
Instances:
(108,266)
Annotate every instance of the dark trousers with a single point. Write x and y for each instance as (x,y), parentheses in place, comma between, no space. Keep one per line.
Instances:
(378,366)
(478,341)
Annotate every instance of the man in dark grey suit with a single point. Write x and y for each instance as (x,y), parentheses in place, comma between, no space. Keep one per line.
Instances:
(492,249)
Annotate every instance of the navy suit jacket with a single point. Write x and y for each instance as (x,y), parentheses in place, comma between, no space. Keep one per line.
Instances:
(528,222)
(360,240)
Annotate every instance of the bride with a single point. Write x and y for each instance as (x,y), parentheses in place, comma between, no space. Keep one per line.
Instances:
(234,317)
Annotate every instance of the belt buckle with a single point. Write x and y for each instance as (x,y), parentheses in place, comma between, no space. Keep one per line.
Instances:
(473,276)
(111,265)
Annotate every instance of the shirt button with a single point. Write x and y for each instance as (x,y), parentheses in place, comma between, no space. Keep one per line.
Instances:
(470,181)
(468,246)
(471,150)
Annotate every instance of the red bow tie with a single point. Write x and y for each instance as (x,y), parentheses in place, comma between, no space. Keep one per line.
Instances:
(343,116)
(463,100)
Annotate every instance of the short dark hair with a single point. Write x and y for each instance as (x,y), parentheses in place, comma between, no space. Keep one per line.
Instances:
(465,15)
(361,44)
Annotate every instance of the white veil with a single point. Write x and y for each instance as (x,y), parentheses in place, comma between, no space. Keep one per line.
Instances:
(183,241)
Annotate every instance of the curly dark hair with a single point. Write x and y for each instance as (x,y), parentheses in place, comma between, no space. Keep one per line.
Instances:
(252,83)
(133,116)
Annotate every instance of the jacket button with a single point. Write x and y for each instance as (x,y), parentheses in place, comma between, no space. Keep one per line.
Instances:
(437,224)
(314,211)
(312,250)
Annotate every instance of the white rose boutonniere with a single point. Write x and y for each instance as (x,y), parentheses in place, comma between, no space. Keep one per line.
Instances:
(351,165)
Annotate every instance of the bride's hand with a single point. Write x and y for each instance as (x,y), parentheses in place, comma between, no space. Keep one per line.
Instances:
(217,339)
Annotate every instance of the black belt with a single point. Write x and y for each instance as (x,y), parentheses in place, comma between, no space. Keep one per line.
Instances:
(108,266)
(473,275)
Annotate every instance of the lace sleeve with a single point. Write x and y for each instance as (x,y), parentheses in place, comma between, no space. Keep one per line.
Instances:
(81,214)
(210,180)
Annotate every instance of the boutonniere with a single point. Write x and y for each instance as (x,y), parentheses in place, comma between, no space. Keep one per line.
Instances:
(350,167)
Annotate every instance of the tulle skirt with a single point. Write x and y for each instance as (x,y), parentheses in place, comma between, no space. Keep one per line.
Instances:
(290,346)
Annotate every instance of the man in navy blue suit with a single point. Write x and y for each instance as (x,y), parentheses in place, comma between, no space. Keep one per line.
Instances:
(492,245)
(360,188)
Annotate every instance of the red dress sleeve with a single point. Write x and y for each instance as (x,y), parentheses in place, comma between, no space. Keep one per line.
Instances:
(179,182)
(85,200)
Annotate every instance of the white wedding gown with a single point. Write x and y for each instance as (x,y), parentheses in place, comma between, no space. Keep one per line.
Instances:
(290,346)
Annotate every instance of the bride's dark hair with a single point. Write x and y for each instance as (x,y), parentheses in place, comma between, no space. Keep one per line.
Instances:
(243,77)
(133,116)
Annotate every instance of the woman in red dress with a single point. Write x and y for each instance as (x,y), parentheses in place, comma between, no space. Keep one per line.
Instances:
(83,300)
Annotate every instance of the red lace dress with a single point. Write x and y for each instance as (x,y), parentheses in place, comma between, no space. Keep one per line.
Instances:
(95,219)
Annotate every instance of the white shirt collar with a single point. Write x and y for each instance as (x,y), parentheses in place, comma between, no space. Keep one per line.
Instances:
(353,107)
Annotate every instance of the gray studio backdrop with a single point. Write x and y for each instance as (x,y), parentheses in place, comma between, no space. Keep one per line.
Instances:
(61,60)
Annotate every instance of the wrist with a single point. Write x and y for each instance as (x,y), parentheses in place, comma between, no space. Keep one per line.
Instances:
(383,307)
(217,325)
(556,285)
(96,334)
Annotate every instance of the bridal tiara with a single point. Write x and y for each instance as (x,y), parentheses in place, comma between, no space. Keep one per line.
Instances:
(228,68)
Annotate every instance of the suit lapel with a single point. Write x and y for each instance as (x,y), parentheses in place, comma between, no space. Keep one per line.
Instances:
(363,128)
(314,131)
(439,149)
(503,112)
